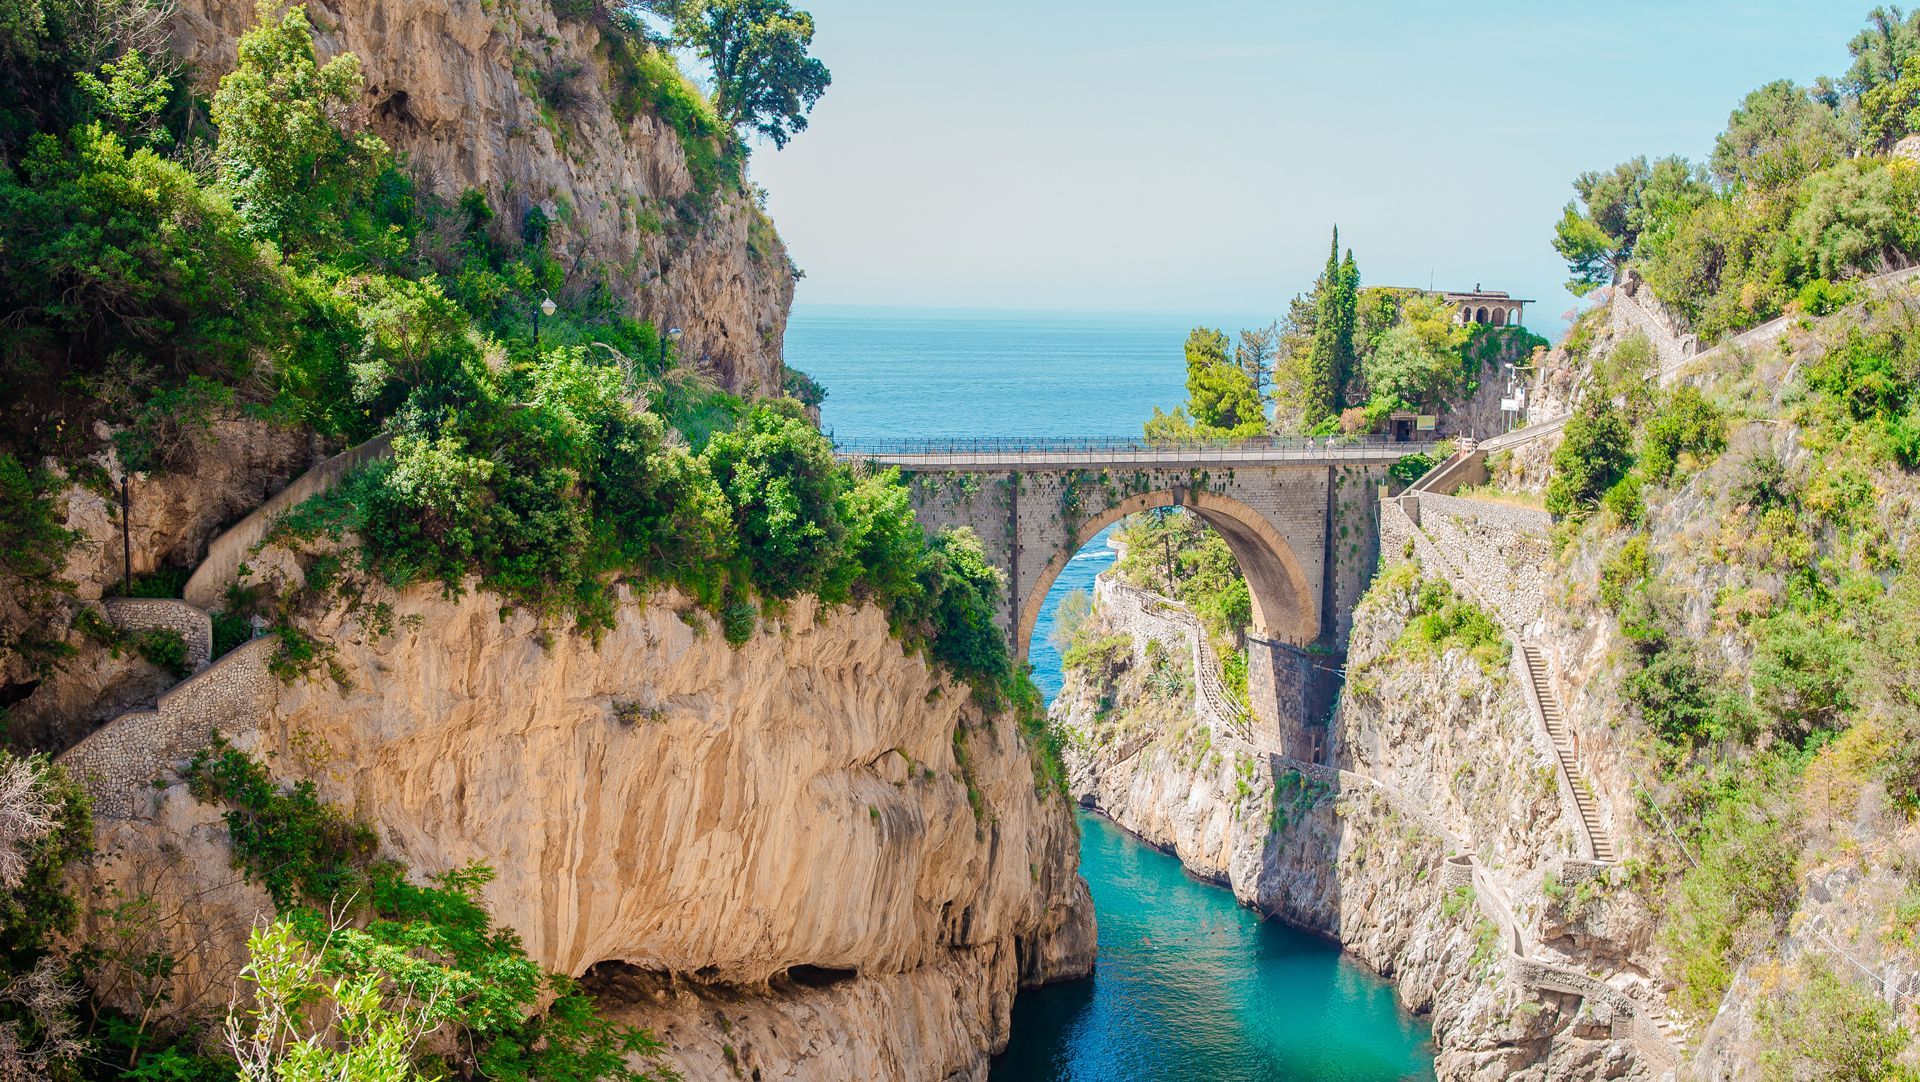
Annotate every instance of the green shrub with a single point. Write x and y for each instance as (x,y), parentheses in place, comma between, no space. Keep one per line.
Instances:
(1817,1025)
(1591,458)
(435,939)
(1626,569)
(1804,673)
(230,630)
(1684,423)
(1102,656)
(1821,297)
(1745,882)
(167,582)
(802,388)
(1410,468)
(1441,622)
(164,647)
(301,849)
(1672,696)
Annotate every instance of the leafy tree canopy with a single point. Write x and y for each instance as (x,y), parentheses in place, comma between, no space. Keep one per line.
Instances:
(764,79)
(1777,136)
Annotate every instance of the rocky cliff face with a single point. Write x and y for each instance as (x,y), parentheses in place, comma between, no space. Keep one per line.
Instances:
(224,472)
(767,853)
(456,85)
(1433,761)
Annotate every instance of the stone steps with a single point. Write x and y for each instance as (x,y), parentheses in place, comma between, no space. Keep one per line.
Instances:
(1583,798)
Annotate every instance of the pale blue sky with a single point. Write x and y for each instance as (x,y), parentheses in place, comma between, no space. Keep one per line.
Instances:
(1116,155)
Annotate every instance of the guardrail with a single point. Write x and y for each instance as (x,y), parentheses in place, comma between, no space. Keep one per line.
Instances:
(1055,445)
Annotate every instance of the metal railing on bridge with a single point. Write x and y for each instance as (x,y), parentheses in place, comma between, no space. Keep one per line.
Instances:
(1097,446)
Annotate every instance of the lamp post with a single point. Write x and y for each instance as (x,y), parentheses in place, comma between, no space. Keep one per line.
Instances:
(126,536)
(672,335)
(545,307)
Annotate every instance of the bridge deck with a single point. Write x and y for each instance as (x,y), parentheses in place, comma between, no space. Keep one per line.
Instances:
(1119,453)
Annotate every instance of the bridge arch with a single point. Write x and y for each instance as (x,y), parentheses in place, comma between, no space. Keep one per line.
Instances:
(1285,605)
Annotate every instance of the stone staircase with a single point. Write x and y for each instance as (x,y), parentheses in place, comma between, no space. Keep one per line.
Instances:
(1582,792)
(229,694)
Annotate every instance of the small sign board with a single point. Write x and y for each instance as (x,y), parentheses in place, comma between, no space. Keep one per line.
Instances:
(1510,405)
(1426,422)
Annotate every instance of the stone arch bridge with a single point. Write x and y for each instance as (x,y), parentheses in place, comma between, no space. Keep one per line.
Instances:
(1300,516)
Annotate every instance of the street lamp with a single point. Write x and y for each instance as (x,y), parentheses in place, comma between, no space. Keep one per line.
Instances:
(672,335)
(546,307)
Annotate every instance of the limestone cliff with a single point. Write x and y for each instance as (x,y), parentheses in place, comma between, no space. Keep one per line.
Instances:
(766,853)
(1433,764)
(457,86)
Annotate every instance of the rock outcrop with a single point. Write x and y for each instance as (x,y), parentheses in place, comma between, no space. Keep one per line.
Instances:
(780,833)
(1434,762)
(457,86)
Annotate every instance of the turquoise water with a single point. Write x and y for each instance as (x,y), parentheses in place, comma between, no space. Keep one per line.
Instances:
(1189,985)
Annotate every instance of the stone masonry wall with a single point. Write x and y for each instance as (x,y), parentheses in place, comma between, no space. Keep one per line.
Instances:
(226,553)
(1502,551)
(1635,308)
(149,613)
(117,763)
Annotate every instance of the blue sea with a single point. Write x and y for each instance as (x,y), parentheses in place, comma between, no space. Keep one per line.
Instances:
(1190,986)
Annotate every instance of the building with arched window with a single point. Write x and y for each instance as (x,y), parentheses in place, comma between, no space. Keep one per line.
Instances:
(1487,306)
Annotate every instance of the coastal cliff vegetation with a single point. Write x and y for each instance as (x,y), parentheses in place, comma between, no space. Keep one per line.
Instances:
(168,260)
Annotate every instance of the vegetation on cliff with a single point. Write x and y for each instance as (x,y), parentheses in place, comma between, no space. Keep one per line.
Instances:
(1798,194)
(168,260)
(1750,536)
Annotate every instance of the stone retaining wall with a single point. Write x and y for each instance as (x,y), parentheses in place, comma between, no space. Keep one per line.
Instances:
(1146,616)
(150,613)
(119,760)
(1500,550)
(1633,307)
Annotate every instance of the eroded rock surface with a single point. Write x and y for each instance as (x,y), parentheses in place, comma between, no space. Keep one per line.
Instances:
(455,86)
(783,827)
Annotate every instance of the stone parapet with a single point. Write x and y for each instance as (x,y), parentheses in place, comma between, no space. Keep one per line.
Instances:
(221,566)
(164,614)
(1500,552)
(119,760)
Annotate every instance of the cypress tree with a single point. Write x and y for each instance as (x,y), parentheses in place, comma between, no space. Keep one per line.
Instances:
(1347,311)
(1330,361)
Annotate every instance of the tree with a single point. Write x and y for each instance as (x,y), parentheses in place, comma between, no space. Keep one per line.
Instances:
(1856,217)
(1417,363)
(1881,51)
(1776,137)
(1594,454)
(1330,359)
(763,79)
(778,475)
(283,153)
(1890,111)
(1598,231)
(1221,395)
(1255,352)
